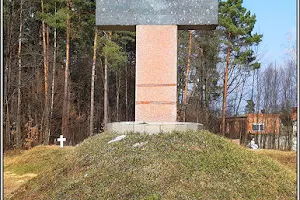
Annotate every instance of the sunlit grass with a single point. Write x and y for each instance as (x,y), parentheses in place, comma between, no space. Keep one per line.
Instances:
(179,165)
(286,158)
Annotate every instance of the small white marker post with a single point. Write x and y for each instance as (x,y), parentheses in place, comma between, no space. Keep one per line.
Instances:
(61,140)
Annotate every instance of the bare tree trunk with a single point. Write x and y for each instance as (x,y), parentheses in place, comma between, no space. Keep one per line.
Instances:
(126,91)
(106,105)
(258,92)
(47,102)
(225,88)
(45,58)
(105,118)
(46,74)
(207,92)
(187,73)
(7,78)
(7,126)
(45,35)
(6,107)
(7,120)
(65,117)
(53,75)
(93,84)
(118,95)
(19,134)
(197,111)
(241,96)
(71,134)
(252,91)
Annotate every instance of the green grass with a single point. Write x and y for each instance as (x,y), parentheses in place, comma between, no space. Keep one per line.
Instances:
(180,165)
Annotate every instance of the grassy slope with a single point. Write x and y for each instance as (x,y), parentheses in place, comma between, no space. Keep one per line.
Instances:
(286,158)
(37,160)
(21,166)
(192,165)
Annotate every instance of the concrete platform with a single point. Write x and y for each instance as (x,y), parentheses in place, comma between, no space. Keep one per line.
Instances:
(152,127)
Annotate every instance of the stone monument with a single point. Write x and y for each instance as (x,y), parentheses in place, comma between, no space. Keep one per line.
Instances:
(156,23)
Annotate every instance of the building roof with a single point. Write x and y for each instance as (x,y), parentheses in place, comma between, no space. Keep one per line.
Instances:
(247,115)
(237,116)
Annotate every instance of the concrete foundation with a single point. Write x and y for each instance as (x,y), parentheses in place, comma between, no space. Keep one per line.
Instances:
(152,127)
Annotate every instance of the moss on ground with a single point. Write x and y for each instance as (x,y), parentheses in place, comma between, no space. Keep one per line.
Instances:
(179,165)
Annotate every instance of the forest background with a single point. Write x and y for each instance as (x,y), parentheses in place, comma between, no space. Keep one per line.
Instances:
(64,76)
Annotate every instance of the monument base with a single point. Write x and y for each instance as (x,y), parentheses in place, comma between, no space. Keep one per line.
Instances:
(152,127)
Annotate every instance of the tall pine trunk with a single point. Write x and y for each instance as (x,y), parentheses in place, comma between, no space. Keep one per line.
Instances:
(47,114)
(93,84)
(118,77)
(106,105)
(225,88)
(45,63)
(53,76)
(45,35)
(105,117)
(65,116)
(19,134)
(7,78)
(187,74)
(126,91)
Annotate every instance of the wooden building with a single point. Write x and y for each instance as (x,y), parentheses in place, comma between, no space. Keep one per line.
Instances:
(294,120)
(294,114)
(242,127)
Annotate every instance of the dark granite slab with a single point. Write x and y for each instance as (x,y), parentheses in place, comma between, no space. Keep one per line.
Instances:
(126,14)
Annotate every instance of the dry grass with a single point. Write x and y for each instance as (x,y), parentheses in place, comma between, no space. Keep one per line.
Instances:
(13,181)
(20,166)
(286,158)
(189,165)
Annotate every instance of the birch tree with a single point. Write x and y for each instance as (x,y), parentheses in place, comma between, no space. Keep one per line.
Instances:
(93,83)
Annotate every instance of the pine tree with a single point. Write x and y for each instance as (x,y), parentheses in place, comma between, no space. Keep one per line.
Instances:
(250,107)
(114,57)
(66,101)
(236,25)
(19,132)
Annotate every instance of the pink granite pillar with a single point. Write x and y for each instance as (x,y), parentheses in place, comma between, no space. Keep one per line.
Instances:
(156,73)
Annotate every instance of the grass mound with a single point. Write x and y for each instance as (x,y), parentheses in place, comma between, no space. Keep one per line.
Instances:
(21,166)
(37,160)
(286,158)
(180,165)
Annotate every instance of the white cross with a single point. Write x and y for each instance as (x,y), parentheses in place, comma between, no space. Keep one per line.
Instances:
(61,140)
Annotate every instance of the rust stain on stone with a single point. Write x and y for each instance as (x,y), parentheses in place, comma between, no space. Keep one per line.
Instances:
(156,102)
(155,85)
